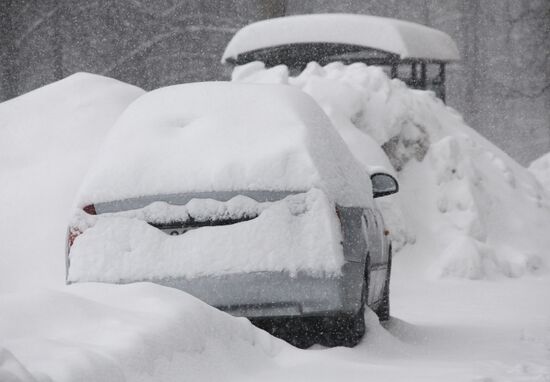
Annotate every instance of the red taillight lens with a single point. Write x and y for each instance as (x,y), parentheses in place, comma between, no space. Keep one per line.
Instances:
(90,209)
(71,237)
(338,214)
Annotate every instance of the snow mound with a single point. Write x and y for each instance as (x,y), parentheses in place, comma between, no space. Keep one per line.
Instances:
(359,97)
(11,370)
(137,332)
(221,136)
(462,200)
(298,233)
(47,139)
(540,168)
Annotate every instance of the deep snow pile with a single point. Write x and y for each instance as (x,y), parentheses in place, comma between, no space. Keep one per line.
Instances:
(115,333)
(48,137)
(474,212)
(298,233)
(541,169)
(222,136)
(450,330)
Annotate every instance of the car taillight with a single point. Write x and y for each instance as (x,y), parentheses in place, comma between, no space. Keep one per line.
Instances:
(89,209)
(72,235)
(338,214)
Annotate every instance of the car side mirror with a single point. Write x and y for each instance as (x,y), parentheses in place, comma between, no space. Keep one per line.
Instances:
(383,184)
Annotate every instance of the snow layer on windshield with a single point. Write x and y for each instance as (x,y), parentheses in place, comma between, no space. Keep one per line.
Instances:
(465,208)
(406,39)
(298,233)
(224,137)
(48,138)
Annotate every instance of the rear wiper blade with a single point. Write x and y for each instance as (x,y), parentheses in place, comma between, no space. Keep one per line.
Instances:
(180,227)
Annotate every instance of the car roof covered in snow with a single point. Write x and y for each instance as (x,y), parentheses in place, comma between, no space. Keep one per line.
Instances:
(221,136)
(405,39)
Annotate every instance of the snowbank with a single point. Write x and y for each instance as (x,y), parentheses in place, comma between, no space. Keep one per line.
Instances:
(446,330)
(540,168)
(473,211)
(47,140)
(138,332)
(298,233)
(11,370)
(221,136)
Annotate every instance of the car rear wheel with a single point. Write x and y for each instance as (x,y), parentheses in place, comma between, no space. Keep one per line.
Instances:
(345,329)
(297,331)
(339,330)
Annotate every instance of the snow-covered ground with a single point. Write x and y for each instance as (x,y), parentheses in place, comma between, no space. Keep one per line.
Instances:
(470,288)
(136,332)
(440,331)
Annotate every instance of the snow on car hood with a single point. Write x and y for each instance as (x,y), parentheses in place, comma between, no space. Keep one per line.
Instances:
(299,233)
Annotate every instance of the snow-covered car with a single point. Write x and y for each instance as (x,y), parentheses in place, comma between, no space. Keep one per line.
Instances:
(244,196)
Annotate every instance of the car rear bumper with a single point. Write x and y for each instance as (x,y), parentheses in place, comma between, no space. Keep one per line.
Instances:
(277,294)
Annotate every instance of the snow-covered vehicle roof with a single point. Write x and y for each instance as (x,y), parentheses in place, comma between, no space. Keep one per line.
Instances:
(220,136)
(404,39)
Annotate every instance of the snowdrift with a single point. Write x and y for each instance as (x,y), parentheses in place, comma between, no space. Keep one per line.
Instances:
(464,200)
(466,209)
(540,168)
(137,332)
(47,139)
